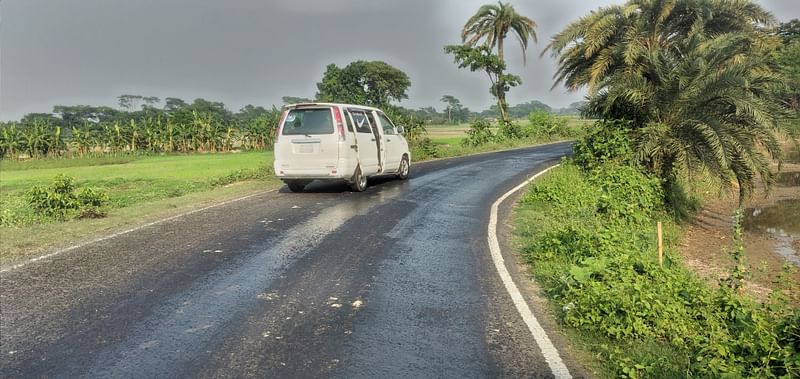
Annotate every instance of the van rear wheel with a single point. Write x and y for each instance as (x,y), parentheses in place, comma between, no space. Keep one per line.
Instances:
(359,181)
(296,185)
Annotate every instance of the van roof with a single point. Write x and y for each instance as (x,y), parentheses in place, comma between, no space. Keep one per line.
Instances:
(343,105)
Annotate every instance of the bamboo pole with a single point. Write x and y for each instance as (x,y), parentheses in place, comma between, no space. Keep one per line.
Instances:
(660,246)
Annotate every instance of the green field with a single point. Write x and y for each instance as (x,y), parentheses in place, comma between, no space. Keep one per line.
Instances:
(139,188)
(131,180)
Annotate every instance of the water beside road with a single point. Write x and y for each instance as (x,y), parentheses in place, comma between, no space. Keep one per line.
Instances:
(782,222)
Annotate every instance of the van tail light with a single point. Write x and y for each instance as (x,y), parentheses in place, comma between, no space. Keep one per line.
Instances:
(337,116)
(279,128)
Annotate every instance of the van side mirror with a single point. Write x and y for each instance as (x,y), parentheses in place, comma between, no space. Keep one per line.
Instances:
(401,129)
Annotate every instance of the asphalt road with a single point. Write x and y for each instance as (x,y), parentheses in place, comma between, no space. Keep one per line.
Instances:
(392,282)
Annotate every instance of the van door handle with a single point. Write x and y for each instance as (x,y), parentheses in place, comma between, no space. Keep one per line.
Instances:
(373,140)
(388,140)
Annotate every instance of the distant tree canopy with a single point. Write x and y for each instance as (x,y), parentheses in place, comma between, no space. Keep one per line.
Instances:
(372,83)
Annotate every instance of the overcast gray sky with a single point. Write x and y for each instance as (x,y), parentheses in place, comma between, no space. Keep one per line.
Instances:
(254,52)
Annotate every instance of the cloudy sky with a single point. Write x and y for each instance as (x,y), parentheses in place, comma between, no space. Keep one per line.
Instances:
(254,52)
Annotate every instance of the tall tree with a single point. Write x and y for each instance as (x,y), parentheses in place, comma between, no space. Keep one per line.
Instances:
(372,83)
(634,36)
(129,102)
(172,104)
(492,23)
(694,76)
(453,105)
(481,59)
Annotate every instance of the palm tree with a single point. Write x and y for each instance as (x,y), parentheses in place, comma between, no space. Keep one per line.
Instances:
(715,109)
(629,37)
(694,76)
(492,23)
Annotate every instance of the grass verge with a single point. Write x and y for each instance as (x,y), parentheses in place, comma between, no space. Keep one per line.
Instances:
(140,188)
(590,240)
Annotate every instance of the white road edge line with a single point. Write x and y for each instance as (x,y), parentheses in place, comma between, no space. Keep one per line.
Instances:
(549,351)
(117,234)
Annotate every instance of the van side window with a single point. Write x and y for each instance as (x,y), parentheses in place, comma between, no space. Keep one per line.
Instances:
(388,127)
(362,124)
(348,121)
(372,122)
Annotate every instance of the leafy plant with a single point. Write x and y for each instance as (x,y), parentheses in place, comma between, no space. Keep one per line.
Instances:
(543,124)
(60,200)
(594,257)
(608,142)
(479,133)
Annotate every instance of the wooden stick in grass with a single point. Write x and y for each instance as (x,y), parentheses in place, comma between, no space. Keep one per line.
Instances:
(660,246)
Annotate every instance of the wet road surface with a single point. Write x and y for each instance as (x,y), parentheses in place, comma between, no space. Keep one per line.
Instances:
(392,282)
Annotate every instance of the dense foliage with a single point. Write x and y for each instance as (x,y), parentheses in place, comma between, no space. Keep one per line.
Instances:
(695,77)
(590,234)
(373,83)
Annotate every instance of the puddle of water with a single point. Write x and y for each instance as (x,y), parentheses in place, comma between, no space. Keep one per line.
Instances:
(782,221)
(788,179)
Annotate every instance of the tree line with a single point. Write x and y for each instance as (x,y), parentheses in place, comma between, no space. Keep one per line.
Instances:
(139,126)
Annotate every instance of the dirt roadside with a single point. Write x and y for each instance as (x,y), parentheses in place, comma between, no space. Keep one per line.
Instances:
(707,241)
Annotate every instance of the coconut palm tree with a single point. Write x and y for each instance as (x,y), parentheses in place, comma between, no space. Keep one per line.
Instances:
(492,23)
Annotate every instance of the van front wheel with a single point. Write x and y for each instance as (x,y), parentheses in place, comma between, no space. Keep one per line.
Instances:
(359,182)
(402,172)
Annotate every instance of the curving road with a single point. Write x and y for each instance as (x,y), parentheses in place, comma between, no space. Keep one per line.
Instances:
(396,281)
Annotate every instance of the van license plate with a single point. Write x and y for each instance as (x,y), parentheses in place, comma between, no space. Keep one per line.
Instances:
(306,148)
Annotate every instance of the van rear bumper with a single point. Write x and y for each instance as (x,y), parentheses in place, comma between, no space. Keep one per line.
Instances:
(340,172)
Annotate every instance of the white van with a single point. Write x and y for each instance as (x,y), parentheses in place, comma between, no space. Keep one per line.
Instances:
(340,142)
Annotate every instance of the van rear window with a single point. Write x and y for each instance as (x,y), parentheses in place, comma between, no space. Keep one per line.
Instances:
(308,121)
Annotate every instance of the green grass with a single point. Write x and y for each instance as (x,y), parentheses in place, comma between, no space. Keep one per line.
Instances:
(132,183)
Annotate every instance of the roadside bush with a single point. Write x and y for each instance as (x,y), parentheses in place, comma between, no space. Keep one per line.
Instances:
(545,125)
(628,194)
(424,148)
(510,130)
(61,201)
(479,133)
(608,142)
(595,258)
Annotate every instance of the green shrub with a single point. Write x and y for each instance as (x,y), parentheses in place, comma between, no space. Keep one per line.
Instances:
(510,130)
(595,258)
(628,194)
(608,142)
(545,125)
(424,148)
(479,133)
(60,201)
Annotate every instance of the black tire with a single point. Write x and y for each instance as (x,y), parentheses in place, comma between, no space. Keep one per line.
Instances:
(404,169)
(296,185)
(359,181)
